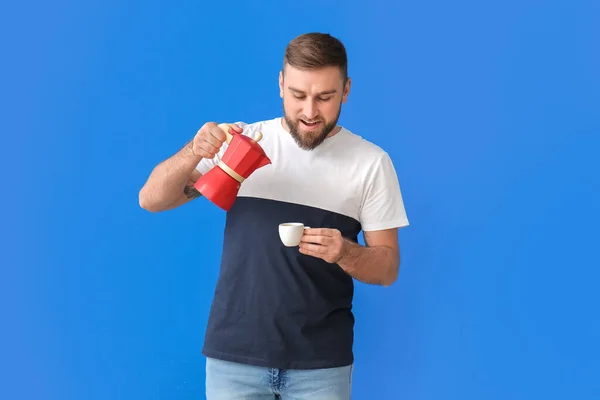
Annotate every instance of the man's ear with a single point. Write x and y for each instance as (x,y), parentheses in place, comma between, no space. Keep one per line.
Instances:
(346,90)
(281,84)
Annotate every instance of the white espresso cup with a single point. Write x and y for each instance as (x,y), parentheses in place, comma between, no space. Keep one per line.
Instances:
(291,233)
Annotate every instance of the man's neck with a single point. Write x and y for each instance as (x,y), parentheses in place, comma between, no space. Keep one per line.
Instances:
(334,131)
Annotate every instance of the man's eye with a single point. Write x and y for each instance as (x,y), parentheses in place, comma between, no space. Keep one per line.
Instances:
(299,97)
(324,98)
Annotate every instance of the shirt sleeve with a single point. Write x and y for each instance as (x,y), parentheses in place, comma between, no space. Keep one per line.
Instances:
(206,164)
(383,206)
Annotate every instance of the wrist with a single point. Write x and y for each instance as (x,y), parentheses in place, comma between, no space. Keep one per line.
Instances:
(346,256)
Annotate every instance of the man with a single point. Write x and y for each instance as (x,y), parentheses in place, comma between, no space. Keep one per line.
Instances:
(281,324)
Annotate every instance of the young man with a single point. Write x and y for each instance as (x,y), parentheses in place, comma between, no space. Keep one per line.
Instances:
(281,324)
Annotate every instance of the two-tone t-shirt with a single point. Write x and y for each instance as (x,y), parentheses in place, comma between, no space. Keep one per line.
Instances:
(274,306)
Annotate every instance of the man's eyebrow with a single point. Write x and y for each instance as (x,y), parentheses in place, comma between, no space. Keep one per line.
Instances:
(320,94)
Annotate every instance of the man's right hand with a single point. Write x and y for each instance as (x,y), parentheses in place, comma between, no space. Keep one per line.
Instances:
(209,139)
(171,183)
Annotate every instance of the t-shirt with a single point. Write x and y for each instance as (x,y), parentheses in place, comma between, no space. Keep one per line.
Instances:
(274,306)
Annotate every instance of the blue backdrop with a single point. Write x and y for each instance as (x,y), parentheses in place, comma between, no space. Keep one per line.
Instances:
(490,112)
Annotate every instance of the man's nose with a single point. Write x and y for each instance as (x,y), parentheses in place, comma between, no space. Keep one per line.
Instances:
(310,109)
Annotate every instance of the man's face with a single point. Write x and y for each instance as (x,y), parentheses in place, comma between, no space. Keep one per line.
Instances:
(312,102)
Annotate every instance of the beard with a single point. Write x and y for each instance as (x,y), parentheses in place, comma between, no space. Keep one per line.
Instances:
(311,139)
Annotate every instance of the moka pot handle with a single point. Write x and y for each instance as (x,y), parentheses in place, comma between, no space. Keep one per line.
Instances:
(225,127)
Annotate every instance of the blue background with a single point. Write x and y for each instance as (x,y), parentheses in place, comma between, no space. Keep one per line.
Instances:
(490,112)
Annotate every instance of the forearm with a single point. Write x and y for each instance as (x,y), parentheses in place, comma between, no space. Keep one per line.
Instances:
(377,265)
(168,180)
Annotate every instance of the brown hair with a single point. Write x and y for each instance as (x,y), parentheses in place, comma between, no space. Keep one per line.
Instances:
(316,50)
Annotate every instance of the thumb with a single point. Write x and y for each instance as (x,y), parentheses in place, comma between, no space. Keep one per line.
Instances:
(236,128)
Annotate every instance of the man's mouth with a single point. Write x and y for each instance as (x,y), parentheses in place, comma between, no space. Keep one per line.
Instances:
(310,124)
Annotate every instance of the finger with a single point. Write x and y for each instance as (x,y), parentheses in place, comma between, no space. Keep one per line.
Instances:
(319,232)
(236,128)
(308,252)
(216,135)
(205,134)
(208,148)
(314,248)
(322,240)
(212,140)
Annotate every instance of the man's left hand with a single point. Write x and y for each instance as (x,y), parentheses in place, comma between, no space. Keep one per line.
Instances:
(325,243)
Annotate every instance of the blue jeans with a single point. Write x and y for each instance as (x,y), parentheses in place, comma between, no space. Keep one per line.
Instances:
(232,381)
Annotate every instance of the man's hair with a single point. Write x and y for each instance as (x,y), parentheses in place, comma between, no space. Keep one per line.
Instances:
(316,50)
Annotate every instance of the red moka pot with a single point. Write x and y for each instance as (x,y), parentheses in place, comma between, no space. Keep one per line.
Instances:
(243,156)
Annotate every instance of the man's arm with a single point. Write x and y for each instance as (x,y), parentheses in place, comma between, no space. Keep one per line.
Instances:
(189,192)
(171,183)
(376,263)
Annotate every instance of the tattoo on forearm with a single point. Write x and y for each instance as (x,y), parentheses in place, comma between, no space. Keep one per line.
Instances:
(191,192)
